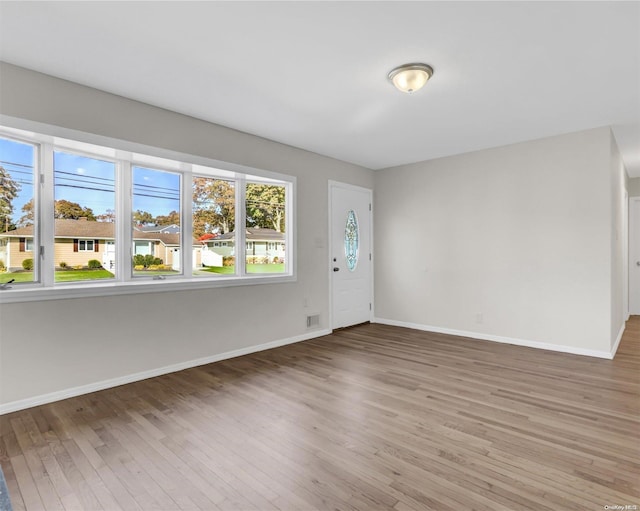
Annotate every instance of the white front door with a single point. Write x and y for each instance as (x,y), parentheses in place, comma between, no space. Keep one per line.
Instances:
(109,255)
(634,255)
(175,259)
(350,252)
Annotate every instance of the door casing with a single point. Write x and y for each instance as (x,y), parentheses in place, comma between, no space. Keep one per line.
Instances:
(634,255)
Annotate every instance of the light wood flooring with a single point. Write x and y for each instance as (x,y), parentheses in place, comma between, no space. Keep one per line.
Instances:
(371,417)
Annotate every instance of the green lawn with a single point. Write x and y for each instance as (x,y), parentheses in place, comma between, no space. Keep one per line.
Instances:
(219,269)
(26,276)
(251,268)
(265,268)
(76,275)
(142,273)
(61,276)
(72,275)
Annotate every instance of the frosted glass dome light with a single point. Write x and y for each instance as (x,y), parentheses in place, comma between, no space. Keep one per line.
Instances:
(410,77)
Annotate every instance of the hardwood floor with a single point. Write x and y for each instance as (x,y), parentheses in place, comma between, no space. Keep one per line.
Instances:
(371,417)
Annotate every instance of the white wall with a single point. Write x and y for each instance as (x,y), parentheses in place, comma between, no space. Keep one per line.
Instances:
(51,346)
(512,242)
(618,241)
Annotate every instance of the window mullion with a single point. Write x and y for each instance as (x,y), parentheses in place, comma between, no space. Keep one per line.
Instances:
(290,227)
(124,221)
(46,232)
(241,224)
(186,225)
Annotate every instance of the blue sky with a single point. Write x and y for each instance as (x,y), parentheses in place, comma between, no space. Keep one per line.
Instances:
(89,182)
(155,191)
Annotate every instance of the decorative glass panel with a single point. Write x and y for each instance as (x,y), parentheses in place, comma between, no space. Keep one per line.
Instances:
(351,236)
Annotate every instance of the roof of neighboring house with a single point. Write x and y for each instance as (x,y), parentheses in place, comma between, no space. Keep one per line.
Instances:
(69,228)
(166,237)
(173,228)
(253,234)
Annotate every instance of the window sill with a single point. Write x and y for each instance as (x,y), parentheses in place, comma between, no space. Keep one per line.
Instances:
(34,293)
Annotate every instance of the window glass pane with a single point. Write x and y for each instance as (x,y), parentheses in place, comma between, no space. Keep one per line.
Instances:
(156,222)
(214,209)
(84,211)
(17,221)
(265,233)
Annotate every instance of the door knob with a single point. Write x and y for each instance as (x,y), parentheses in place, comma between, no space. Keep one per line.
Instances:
(637,263)
(338,269)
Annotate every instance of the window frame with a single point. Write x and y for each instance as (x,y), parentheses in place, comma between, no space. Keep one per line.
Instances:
(183,215)
(86,242)
(46,139)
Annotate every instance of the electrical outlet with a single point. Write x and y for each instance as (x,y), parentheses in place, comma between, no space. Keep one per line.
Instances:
(479,318)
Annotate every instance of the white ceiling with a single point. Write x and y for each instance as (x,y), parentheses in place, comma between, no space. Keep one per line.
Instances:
(313,74)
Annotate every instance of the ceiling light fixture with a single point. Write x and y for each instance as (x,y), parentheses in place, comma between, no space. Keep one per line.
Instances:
(410,77)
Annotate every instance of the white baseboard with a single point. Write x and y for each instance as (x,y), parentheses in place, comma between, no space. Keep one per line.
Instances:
(22,404)
(496,338)
(614,349)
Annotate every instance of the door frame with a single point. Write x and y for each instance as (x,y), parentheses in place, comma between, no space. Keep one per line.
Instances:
(633,206)
(346,186)
(625,256)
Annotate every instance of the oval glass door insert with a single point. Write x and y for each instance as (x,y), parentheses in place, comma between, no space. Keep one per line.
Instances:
(351,235)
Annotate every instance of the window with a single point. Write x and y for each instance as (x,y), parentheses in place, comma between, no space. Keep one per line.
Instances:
(266,227)
(18,165)
(108,216)
(156,205)
(87,246)
(84,205)
(213,217)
